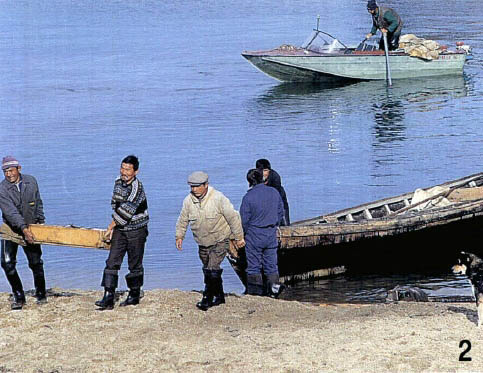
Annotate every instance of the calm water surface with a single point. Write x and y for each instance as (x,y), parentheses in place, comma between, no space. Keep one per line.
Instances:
(85,83)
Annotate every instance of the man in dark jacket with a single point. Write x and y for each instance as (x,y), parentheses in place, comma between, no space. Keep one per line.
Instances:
(21,206)
(261,212)
(273,179)
(386,20)
(127,231)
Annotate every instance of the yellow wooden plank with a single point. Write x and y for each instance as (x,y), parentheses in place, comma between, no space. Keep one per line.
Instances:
(61,236)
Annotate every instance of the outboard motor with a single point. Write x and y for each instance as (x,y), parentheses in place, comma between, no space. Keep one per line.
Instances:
(461,46)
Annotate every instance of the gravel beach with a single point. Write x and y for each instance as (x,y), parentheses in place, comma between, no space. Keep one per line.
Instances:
(166,332)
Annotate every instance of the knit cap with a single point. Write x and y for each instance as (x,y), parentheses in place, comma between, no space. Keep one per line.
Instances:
(8,162)
(371,5)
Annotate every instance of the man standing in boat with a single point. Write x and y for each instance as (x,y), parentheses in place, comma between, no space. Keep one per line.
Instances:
(127,231)
(273,179)
(21,206)
(386,20)
(261,213)
(213,221)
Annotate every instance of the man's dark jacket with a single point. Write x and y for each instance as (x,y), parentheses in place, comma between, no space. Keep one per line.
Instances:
(275,181)
(386,18)
(261,212)
(19,209)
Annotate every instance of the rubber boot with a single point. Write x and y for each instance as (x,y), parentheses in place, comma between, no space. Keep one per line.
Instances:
(39,282)
(17,291)
(134,284)
(274,287)
(18,300)
(217,282)
(207,300)
(132,298)
(107,302)
(254,284)
(109,281)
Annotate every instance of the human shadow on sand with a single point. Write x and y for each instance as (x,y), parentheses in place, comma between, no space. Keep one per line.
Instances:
(471,315)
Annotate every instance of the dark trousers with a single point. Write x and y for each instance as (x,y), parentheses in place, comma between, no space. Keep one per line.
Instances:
(8,259)
(392,41)
(212,256)
(132,243)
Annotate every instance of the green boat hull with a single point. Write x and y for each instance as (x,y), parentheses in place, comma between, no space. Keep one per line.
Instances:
(339,68)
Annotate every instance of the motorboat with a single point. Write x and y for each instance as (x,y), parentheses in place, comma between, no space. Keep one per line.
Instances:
(323,58)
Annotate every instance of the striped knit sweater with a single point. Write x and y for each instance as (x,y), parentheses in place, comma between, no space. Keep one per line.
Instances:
(130,205)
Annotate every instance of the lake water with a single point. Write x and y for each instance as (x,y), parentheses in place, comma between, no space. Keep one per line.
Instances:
(85,83)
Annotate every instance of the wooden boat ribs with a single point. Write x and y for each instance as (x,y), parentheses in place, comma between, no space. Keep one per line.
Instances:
(308,247)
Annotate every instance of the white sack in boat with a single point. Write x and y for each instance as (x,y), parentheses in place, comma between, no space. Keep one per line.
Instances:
(419,47)
(407,39)
(421,195)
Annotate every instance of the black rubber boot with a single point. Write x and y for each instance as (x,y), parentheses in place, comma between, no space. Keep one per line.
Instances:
(17,291)
(107,302)
(254,284)
(217,282)
(132,298)
(39,282)
(110,279)
(134,284)
(18,300)
(274,287)
(207,300)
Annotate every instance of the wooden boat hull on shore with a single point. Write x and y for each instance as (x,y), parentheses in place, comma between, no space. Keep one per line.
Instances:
(385,235)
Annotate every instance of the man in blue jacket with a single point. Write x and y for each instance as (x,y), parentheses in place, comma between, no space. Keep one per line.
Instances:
(21,206)
(261,213)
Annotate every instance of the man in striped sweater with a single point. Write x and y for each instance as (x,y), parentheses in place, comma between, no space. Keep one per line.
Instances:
(128,232)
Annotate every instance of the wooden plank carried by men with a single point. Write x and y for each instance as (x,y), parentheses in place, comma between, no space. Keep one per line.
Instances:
(60,236)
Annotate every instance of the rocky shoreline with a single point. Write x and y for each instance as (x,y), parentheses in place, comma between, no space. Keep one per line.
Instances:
(167,333)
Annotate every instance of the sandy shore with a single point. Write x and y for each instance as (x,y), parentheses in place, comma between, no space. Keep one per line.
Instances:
(167,333)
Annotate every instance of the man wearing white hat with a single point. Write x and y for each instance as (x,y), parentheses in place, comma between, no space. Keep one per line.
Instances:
(21,206)
(213,221)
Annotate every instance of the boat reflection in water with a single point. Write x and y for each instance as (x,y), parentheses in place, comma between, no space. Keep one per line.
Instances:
(444,287)
(360,93)
(388,106)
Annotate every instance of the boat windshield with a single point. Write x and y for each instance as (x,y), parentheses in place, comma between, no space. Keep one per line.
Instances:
(321,42)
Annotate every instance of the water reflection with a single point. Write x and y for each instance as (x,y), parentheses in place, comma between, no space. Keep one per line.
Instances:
(413,91)
(388,117)
(387,105)
(421,95)
(374,288)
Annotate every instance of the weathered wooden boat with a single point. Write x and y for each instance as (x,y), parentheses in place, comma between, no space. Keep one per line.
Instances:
(323,58)
(389,233)
(407,232)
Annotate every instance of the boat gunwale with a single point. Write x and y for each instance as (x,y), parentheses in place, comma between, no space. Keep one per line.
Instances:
(309,54)
(318,221)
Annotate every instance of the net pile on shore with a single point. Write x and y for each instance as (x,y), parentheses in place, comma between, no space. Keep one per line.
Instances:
(419,47)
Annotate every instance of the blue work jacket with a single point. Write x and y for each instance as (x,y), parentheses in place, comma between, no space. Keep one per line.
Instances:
(261,212)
